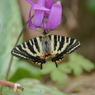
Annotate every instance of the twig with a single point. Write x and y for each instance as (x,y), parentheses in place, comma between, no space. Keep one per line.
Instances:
(11,59)
(9,84)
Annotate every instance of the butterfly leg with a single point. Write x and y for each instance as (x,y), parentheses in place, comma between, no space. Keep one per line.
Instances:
(41,66)
(56,65)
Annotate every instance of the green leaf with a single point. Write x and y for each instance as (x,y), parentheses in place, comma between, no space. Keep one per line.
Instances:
(91,5)
(48,67)
(64,68)
(78,63)
(25,70)
(10,20)
(87,65)
(77,71)
(8,91)
(34,87)
(58,76)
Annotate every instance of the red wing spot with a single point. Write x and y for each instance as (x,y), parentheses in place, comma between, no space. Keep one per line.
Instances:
(48,54)
(43,57)
(52,56)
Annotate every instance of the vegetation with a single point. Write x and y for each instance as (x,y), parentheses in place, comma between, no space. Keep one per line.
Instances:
(26,74)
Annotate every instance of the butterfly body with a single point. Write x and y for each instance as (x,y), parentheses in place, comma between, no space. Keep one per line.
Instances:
(38,48)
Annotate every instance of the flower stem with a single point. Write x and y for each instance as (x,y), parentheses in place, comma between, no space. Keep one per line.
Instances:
(11,59)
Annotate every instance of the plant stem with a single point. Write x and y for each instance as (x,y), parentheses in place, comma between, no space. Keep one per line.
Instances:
(11,59)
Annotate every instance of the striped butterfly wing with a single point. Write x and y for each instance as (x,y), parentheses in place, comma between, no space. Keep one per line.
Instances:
(39,48)
(61,45)
(30,50)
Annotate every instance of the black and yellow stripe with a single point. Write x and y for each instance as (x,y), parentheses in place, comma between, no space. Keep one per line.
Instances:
(65,45)
(38,48)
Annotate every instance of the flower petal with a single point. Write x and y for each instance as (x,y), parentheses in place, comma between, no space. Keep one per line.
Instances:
(41,3)
(30,24)
(55,16)
(38,17)
(37,7)
(49,3)
(31,1)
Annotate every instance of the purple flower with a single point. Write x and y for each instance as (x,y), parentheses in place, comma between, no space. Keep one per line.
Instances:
(47,14)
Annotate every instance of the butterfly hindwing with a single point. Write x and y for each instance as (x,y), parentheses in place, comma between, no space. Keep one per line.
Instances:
(38,48)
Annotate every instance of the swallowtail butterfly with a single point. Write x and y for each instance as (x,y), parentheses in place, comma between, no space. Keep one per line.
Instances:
(38,48)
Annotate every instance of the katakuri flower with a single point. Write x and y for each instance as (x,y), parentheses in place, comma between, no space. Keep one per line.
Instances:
(47,14)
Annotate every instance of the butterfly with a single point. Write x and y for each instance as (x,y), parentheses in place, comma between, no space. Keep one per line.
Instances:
(38,48)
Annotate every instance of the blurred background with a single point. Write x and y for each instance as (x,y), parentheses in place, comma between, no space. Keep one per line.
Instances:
(76,75)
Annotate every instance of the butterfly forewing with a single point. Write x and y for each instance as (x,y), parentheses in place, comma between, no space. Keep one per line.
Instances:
(65,45)
(37,49)
(29,49)
(75,44)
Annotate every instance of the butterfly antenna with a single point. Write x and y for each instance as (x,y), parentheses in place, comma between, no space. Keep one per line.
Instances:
(38,31)
(56,65)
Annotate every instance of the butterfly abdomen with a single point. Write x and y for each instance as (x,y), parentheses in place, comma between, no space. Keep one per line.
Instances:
(46,44)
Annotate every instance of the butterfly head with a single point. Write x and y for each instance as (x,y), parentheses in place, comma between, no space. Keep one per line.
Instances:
(46,31)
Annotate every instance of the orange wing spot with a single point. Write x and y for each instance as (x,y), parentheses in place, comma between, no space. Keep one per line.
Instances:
(39,63)
(36,62)
(57,61)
